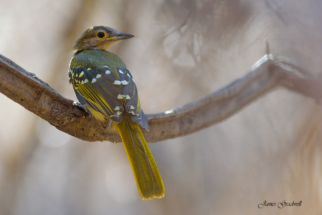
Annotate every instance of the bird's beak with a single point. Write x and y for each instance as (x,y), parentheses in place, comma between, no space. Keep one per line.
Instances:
(120,36)
(123,36)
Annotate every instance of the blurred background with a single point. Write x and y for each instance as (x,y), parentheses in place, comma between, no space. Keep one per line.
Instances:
(182,51)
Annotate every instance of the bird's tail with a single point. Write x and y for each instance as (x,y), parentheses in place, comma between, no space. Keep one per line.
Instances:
(146,173)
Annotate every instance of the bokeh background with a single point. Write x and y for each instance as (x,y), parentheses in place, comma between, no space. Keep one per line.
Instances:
(182,51)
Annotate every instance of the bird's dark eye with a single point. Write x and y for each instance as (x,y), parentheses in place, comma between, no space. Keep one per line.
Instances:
(100,34)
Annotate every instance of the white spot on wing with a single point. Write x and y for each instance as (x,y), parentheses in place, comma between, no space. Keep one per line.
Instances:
(86,80)
(124,82)
(81,74)
(128,75)
(132,107)
(117,108)
(120,71)
(107,72)
(118,113)
(93,80)
(98,76)
(119,96)
(117,82)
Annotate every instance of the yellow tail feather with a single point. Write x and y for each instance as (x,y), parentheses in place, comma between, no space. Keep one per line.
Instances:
(146,173)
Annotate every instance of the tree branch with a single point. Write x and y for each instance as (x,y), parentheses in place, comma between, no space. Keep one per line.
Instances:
(38,97)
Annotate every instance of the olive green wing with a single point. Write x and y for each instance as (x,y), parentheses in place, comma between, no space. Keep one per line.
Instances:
(108,91)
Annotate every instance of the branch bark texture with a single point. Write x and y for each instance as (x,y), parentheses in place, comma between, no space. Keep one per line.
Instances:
(268,73)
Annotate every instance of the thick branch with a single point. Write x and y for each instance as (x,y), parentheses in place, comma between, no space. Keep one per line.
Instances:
(35,95)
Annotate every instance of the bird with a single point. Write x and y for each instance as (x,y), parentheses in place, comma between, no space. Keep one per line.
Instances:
(105,88)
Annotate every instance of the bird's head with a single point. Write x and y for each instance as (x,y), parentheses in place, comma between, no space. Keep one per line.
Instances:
(99,37)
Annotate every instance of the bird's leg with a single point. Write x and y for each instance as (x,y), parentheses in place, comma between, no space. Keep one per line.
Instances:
(109,123)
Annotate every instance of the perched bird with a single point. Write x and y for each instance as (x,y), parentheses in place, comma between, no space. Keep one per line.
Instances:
(106,89)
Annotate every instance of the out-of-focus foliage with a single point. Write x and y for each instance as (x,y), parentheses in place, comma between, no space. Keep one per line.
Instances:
(182,51)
